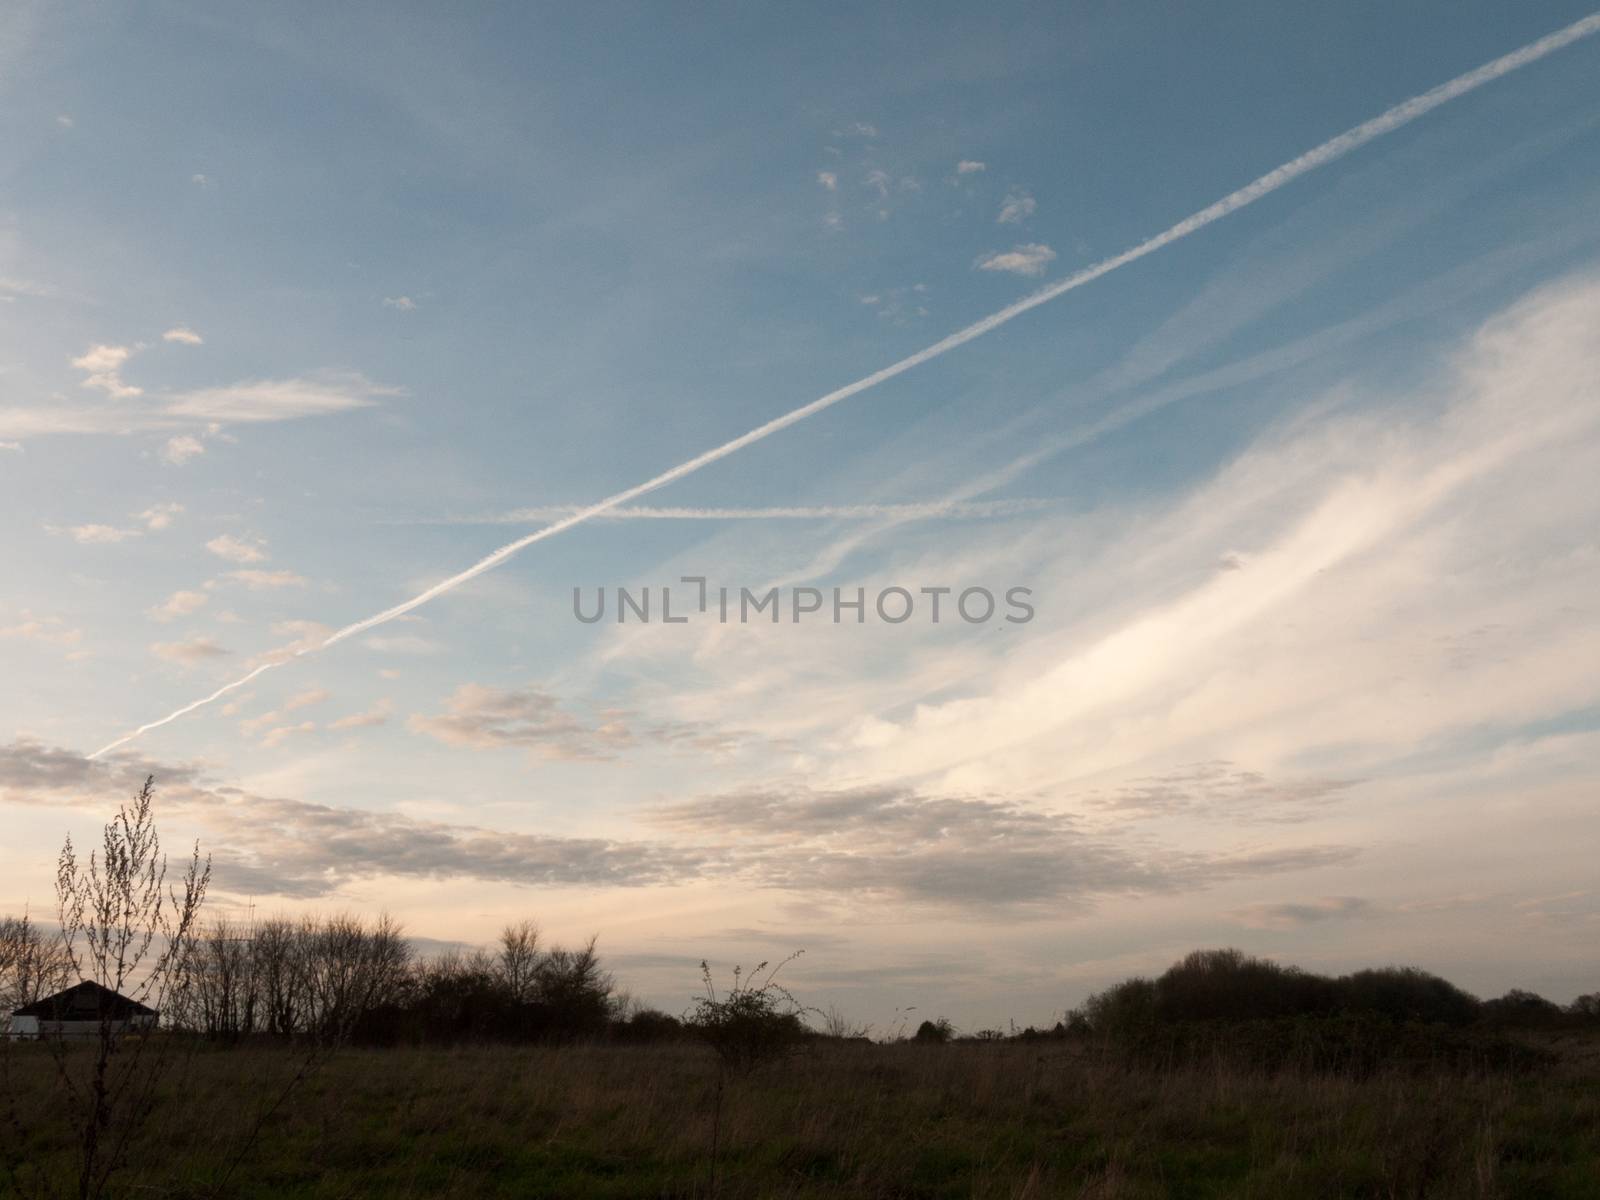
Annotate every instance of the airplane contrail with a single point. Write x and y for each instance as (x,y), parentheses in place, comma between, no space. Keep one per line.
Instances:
(1329,151)
(930,509)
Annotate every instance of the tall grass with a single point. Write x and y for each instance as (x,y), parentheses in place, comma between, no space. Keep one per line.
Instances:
(1061,1118)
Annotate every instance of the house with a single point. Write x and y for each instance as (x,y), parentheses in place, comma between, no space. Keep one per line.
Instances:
(79,1012)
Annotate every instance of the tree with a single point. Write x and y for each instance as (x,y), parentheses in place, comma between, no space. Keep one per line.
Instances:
(124,927)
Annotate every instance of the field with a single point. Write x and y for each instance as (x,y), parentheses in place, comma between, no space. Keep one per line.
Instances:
(1006,1119)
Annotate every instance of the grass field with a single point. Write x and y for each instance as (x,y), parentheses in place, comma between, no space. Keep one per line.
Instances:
(1053,1118)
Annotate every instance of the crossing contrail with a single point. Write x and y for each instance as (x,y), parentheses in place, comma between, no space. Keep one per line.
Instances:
(926,510)
(1329,151)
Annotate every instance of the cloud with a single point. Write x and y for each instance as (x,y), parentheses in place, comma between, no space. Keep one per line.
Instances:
(65,121)
(1018,206)
(200,180)
(98,535)
(968,166)
(403,303)
(258,580)
(277,399)
(181,449)
(104,367)
(378,714)
(1297,916)
(929,510)
(486,718)
(160,516)
(1221,790)
(894,843)
(829,180)
(12,446)
(879,181)
(267,845)
(179,604)
(276,737)
(237,549)
(47,631)
(1031,258)
(402,643)
(306,699)
(964,856)
(188,653)
(182,334)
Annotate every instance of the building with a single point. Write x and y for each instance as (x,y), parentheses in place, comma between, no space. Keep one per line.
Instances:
(79,1012)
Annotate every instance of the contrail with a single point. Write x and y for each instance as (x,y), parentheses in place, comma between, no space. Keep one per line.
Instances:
(929,510)
(1329,151)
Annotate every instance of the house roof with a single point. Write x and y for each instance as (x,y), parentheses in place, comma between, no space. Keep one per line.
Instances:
(86,1001)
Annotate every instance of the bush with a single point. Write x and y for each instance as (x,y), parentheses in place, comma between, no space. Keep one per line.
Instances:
(755,1021)
(938,1031)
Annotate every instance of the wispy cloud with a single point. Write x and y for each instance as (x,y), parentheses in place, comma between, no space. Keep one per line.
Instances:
(236,549)
(970,166)
(160,516)
(183,335)
(179,604)
(1298,916)
(829,180)
(1030,258)
(258,580)
(182,449)
(1017,207)
(931,510)
(188,653)
(403,303)
(98,535)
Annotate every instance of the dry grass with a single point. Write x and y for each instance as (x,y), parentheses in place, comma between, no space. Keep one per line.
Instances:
(999,1120)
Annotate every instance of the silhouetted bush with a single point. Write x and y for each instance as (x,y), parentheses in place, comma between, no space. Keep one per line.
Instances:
(1518,1009)
(1406,994)
(938,1031)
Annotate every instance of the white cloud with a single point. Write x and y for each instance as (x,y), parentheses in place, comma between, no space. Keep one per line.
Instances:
(160,516)
(98,535)
(200,180)
(829,180)
(182,334)
(48,631)
(306,699)
(104,366)
(403,303)
(188,653)
(277,399)
(401,643)
(257,580)
(237,549)
(1019,205)
(179,604)
(13,446)
(181,449)
(276,737)
(879,182)
(1028,259)
(378,714)
(65,121)
(832,221)
(968,166)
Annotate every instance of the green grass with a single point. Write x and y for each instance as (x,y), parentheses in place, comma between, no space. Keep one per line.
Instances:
(965,1120)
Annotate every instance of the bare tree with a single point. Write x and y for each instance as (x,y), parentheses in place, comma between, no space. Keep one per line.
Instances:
(32,965)
(519,960)
(123,926)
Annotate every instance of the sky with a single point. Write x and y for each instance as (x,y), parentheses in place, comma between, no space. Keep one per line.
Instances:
(305,311)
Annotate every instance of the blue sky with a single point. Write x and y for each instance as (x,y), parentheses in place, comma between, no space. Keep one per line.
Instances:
(301,311)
